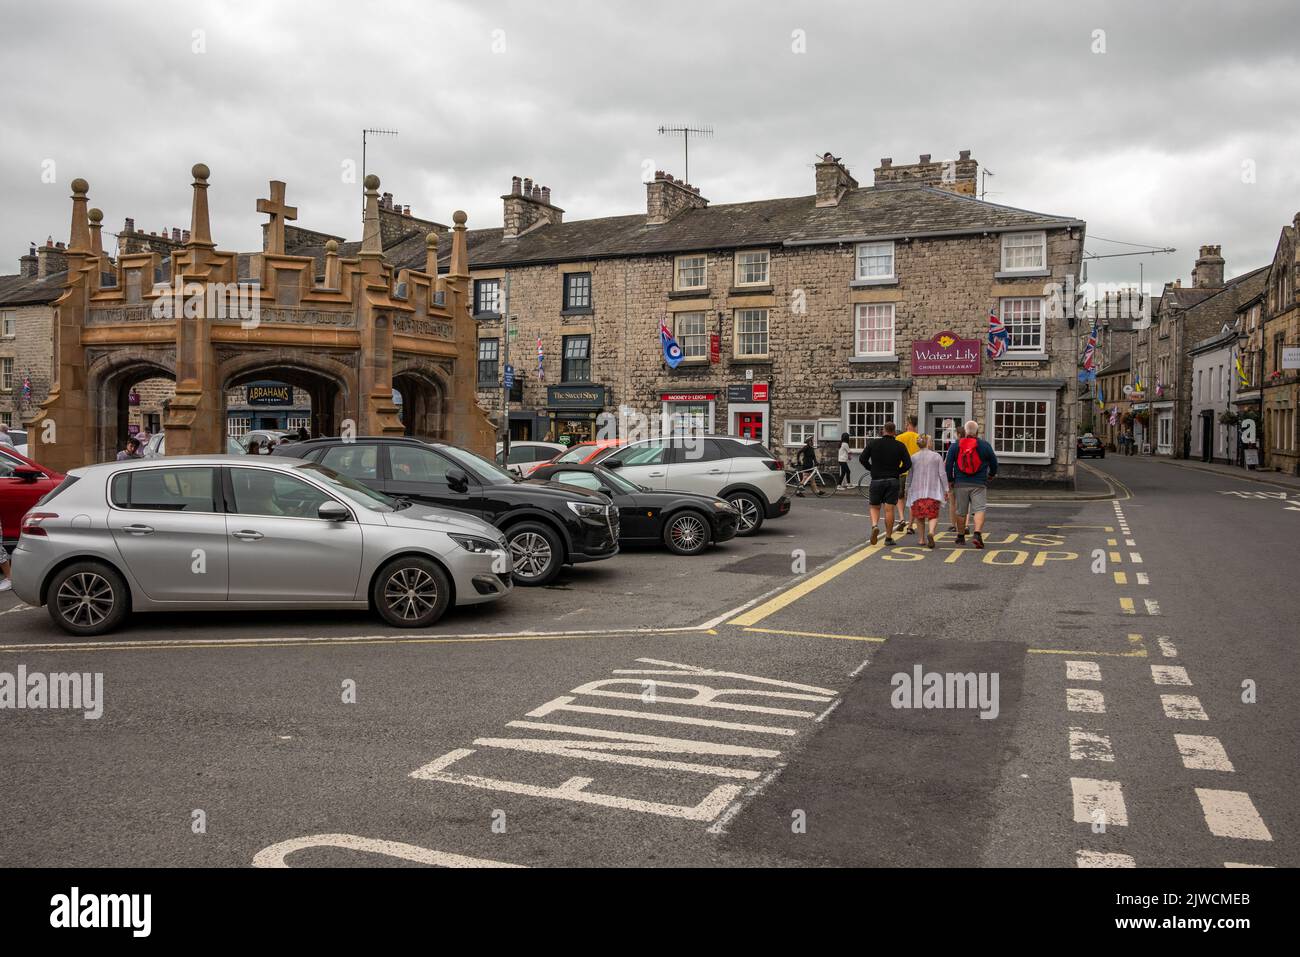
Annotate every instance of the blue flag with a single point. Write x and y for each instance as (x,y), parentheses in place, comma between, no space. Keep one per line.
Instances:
(672,351)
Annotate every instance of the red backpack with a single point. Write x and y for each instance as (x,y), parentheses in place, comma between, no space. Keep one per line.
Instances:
(968,456)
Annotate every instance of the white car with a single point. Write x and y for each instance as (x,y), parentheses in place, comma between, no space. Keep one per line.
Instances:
(742,471)
(19,438)
(156,447)
(526,456)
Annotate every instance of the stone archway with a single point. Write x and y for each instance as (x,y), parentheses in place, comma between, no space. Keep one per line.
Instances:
(423,388)
(109,380)
(328,382)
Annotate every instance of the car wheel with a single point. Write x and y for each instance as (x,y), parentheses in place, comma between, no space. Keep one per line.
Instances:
(88,598)
(751,513)
(686,533)
(411,592)
(536,552)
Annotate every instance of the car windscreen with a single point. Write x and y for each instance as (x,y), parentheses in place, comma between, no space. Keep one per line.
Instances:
(616,481)
(575,454)
(477,466)
(352,490)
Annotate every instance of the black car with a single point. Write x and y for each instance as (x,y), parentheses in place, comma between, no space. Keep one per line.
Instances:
(686,522)
(547,524)
(1089,445)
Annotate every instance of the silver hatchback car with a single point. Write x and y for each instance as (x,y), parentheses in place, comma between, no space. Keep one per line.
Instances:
(235,532)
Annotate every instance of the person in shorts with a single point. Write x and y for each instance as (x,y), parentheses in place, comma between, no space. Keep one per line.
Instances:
(970,465)
(905,522)
(886,459)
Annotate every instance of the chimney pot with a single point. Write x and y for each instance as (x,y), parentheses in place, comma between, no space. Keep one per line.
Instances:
(925,157)
(185,235)
(964,155)
(176,234)
(546,195)
(130,225)
(886,161)
(528,186)
(514,185)
(59,244)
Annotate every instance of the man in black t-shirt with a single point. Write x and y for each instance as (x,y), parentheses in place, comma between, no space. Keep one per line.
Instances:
(886,459)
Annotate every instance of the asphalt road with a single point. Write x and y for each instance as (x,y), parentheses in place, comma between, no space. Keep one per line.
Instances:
(735,709)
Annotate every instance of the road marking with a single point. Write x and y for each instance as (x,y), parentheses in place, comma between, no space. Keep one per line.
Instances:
(770,607)
(1112,541)
(1143,578)
(1167,647)
(1082,671)
(826,714)
(814,634)
(1202,752)
(1086,700)
(1129,542)
(1135,558)
(1006,505)
(1232,814)
(1089,746)
(1115,559)
(1170,675)
(274,856)
(1153,606)
(10,611)
(1138,653)
(1121,578)
(1100,859)
(1126,606)
(1186,707)
(1265,866)
(1098,802)
(858,670)
(565,703)
(1104,528)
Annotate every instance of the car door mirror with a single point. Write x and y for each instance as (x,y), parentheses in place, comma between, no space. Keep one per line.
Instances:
(333,512)
(613,464)
(27,475)
(606,490)
(457,480)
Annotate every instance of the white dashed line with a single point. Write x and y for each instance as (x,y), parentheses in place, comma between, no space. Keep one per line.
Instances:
(1232,814)
(1170,675)
(1085,700)
(1167,647)
(1153,606)
(858,670)
(1099,802)
(1082,671)
(1135,558)
(1143,578)
(1183,706)
(1099,859)
(1202,752)
(1129,542)
(1089,746)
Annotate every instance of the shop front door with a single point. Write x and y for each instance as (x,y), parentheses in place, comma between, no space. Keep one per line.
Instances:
(750,425)
(944,421)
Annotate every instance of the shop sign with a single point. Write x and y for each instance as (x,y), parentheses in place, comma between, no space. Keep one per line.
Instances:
(945,354)
(760,391)
(687,396)
(260,394)
(715,349)
(1291,357)
(576,397)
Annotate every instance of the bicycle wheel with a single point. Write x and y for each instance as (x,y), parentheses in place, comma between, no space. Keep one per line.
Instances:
(864,484)
(822,484)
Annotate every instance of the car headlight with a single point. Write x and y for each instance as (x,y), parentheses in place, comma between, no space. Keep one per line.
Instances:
(587,510)
(722,506)
(479,546)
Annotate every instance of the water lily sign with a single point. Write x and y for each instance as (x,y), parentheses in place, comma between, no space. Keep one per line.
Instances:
(946,354)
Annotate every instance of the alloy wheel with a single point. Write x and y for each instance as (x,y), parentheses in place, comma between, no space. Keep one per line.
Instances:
(531,554)
(687,532)
(411,593)
(748,513)
(85,599)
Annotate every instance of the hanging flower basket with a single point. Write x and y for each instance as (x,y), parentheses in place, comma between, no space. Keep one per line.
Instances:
(1228,417)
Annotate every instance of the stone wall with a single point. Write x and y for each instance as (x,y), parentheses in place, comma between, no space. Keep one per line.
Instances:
(30,350)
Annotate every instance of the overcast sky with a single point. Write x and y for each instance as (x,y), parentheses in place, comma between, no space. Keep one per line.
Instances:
(1148,141)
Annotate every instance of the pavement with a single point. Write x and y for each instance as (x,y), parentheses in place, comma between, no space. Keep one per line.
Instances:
(769,702)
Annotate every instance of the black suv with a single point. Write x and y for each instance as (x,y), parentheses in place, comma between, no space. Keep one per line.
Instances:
(548,525)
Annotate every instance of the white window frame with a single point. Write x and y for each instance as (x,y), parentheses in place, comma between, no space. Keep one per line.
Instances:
(670,408)
(704,272)
(849,396)
(766,255)
(1023,350)
(237,427)
(1012,241)
(702,335)
(861,311)
(294,422)
(872,250)
(8,324)
(996,396)
(790,440)
(767,333)
(7,373)
(1164,443)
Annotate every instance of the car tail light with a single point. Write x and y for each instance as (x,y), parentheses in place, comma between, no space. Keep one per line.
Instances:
(31,524)
(774,464)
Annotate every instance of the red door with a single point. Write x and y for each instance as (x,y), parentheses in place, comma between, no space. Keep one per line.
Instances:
(750,425)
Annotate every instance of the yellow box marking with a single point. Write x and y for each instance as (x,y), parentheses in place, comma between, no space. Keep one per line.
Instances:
(1126,605)
(1121,578)
(788,597)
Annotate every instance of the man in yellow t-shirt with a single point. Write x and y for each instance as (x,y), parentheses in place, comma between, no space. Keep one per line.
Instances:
(908,438)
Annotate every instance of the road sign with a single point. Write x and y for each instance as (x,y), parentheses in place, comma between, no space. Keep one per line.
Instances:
(509,379)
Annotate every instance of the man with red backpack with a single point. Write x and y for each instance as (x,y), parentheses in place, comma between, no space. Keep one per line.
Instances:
(970,465)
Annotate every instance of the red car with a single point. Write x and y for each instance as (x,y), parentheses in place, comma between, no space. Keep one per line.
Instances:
(584,453)
(22,484)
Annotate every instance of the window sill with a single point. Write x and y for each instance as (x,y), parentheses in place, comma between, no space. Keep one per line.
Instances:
(743,361)
(875,281)
(1022,458)
(763,290)
(1022,274)
(487,316)
(869,360)
(1022,356)
(701,293)
(578,311)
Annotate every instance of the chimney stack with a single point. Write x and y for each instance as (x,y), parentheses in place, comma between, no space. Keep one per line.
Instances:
(956,176)
(528,206)
(833,180)
(1208,271)
(50,259)
(666,197)
(29,264)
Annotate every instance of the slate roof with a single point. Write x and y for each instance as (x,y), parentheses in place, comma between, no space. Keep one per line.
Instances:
(19,290)
(1118,364)
(1220,306)
(892,211)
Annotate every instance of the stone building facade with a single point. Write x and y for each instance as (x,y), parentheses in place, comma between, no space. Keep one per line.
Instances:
(27,329)
(1280,379)
(799,316)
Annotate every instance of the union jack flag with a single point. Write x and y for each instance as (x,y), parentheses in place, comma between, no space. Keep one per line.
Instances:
(1090,351)
(999,338)
(541,361)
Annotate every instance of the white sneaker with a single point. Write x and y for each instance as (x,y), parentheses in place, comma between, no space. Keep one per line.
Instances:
(6,585)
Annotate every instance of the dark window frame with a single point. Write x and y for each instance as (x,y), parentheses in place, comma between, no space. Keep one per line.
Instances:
(569,302)
(495,362)
(479,286)
(568,362)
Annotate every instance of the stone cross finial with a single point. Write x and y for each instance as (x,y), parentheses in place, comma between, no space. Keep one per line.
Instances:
(279,213)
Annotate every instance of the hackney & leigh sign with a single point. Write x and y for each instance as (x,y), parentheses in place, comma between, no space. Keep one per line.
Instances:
(945,354)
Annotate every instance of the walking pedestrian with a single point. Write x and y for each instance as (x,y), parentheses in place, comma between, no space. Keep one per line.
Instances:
(843,456)
(254,447)
(807,460)
(886,459)
(303,435)
(908,438)
(131,451)
(927,486)
(970,465)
